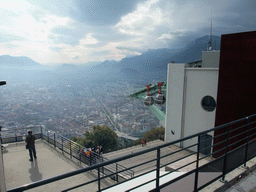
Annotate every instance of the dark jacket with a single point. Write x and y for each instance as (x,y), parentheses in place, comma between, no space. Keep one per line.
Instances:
(31,140)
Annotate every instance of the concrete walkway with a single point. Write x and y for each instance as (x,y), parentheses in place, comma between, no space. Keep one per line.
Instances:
(50,162)
(239,180)
(247,184)
(19,170)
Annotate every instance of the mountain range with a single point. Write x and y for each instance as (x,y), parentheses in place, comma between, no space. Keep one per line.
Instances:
(7,60)
(151,65)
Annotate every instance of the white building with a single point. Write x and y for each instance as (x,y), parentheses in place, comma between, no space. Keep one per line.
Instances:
(191,97)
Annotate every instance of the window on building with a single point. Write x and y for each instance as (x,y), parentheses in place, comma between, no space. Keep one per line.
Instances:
(208,103)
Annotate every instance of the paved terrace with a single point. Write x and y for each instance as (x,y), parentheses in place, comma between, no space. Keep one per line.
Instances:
(19,170)
(51,162)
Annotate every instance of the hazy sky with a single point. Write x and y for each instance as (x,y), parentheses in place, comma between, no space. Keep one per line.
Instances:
(78,31)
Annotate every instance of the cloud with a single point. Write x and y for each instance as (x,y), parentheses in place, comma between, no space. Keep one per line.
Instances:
(55,49)
(66,35)
(5,37)
(77,31)
(76,57)
(88,40)
(101,12)
(173,24)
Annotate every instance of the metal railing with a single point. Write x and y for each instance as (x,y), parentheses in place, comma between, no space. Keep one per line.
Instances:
(204,158)
(67,146)
(74,150)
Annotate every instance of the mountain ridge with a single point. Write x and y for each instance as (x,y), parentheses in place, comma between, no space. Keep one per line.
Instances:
(150,65)
(17,61)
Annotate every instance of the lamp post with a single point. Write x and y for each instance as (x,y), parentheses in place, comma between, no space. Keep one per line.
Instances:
(2,177)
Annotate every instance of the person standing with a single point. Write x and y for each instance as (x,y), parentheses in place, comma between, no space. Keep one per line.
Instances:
(30,143)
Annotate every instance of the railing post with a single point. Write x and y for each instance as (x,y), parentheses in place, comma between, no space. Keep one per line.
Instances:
(48,135)
(80,158)
(116,172)
(54,140)
(16,139)
(225,157)
(98,178)
(2,175)
(41,129)
(62,144)
(70,150)
(247,141)
(158,169)
(197,162)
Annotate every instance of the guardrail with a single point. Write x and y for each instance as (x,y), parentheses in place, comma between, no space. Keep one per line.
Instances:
(232,148)
(74,150)
(14,134)
(69,147)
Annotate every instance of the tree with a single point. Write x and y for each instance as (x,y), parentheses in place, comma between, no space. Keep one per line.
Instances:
(154,134)
(104,136)
(101,135)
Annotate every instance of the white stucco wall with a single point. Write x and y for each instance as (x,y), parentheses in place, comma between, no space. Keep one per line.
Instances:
(174,103)
(184,113)
(199,82)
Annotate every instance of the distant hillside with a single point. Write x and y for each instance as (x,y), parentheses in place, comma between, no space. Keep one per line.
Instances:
(153,64)
(67,67)
(130,74)
(104,68)
(10,61)
(194,51)
(149,66)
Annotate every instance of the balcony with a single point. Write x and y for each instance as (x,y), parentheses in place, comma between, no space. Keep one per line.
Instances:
(50,162)
(155,167)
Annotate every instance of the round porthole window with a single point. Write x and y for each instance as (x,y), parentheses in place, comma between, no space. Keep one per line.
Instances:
(208,103)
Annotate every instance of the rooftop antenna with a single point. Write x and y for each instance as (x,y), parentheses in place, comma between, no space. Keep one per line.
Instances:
(209,48)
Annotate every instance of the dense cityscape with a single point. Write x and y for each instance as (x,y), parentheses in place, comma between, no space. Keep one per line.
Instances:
(72,109)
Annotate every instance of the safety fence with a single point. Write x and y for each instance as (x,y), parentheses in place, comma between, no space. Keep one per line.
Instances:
(203,158)
(74,150)
(69,147)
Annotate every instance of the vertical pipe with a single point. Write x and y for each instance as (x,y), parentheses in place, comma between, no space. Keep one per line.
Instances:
(158,169)
(197,162)
(247,140)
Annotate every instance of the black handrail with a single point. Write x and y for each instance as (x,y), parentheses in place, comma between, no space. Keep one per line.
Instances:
(66,146)
(86,160)
(220,163)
